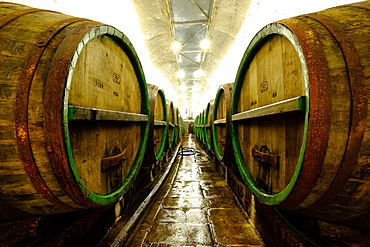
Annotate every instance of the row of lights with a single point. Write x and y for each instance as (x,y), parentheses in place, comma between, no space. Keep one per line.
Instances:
(176,47)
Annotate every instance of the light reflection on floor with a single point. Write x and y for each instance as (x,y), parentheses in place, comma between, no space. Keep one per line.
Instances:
(195,207)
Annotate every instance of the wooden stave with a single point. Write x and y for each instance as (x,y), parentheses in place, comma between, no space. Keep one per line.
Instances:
(327,203)
(70,196)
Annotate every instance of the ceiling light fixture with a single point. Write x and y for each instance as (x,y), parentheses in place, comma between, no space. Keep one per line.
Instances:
(176,46)
(198,73)
(180,74)
(205,44)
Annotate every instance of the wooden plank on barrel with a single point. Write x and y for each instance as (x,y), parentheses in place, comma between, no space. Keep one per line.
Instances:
(263,84)
(83,113)
(159,123)
(282,107)
(220,121)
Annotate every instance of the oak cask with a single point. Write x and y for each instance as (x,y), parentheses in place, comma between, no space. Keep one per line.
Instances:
(73,112)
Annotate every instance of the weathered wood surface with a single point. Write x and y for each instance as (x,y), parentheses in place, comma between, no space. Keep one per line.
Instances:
(322,168)
(50,62)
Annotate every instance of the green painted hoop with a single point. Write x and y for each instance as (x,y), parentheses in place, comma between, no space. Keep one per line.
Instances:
(171,134)
(216,144)
(258,41)
(208,134)
(159,153)
(122,41)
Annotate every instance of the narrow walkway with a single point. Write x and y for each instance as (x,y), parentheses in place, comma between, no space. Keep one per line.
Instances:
(195,207)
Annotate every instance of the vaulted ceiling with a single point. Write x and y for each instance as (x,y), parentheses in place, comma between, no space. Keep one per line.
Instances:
(189,22)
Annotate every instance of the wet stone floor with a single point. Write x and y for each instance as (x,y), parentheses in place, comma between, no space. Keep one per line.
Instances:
(194,207)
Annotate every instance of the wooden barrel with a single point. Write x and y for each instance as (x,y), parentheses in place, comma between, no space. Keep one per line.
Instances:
(195,127)
(171,125)
(208,125)
(202,127)
(177,125)
(199,128)
(221,119)
(299,114)
(158,124)
(73,109)
(183,128)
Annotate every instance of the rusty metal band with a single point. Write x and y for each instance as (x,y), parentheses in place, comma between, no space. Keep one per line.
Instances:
(21,111)
(358,111)
(8,18)
(319,112)
(53,102)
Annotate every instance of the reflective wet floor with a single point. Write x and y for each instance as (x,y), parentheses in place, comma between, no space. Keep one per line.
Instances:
(194,207)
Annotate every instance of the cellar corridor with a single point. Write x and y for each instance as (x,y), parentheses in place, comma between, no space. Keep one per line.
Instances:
(194,207)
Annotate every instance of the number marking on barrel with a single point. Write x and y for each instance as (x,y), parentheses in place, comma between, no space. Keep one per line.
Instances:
(99,84)
(264,87)
(116,78)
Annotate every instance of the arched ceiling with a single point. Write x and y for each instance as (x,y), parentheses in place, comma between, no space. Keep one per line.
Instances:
(189,22)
